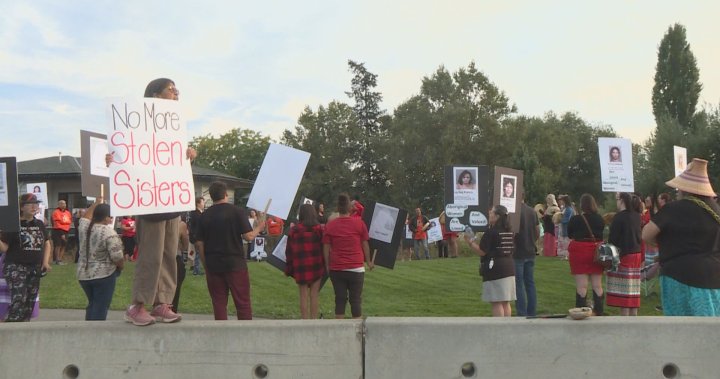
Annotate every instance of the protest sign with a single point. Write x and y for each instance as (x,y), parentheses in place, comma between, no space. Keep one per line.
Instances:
(93,148)
(616,167)
(466,197)
(386,225)
(9,207)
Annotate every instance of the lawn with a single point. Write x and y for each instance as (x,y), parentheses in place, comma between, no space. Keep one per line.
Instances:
(437,287)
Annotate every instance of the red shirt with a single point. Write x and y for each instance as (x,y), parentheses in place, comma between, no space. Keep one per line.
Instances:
(420,234)
(275,226)
(128,223)
(345,236)
(62,219)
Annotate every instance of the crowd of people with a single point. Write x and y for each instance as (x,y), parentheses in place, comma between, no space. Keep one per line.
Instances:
(677,240)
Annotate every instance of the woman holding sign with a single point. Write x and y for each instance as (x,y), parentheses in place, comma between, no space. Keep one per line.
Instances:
(157,239)
(345,247)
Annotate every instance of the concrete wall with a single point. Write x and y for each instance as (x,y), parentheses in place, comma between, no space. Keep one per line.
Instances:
(607,347)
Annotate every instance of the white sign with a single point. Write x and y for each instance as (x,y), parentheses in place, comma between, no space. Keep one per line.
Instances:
(679,159)
(150,172)
(98,150)
(382,225)
(278,180)
(408,232)
(434,231)
(3,185)
(465,187)
(508,197)
(616,165)
(40,191)
(279,251)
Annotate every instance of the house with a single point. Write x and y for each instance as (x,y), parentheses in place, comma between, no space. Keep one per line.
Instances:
(62,175)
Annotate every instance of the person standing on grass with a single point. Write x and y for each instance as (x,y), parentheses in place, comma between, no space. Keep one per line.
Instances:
(193,220)
(27,256)
(496,263)
(62,220)
(181,258)
(524,256)
(305,261)
(101,259)
(220,235)
(128,236)
(419,225)
(345,248)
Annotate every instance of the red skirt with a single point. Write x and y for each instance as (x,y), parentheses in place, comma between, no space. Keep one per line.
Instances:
(549,245)
(623,285)
(582,258)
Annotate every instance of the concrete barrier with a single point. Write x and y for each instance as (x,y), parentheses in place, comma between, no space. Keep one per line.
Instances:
(433,348)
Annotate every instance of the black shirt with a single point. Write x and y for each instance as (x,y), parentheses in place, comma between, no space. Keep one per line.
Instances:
(689,243)
(527,233)
(498,247)
(625,232)
(578,230)
(548,224)
(27,246)
(221,228)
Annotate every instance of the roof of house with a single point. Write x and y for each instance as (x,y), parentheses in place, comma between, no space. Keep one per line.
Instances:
(66,166)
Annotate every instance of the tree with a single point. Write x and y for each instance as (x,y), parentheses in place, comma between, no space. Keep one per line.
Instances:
(677,79)
(239,152)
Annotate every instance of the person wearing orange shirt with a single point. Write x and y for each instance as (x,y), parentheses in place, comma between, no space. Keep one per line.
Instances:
(275,227)
(419,225)
(61,219)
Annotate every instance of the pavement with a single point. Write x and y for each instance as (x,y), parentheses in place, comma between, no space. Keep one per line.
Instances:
(79,315)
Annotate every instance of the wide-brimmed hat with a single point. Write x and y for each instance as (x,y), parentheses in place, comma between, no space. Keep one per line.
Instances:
(694,179)
(550,199)
(28,198)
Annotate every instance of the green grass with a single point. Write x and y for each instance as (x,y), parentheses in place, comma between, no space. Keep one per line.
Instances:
(438,287)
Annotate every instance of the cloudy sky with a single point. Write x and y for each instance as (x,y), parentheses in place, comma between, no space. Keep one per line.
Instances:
(256,65)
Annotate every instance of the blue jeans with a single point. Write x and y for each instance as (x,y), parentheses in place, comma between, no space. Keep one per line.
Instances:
(424,245)
(197,265)
(526,303)
(99,293)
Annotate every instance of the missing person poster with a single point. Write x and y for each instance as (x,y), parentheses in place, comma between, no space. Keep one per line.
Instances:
(9,206)
(466,197)
(434,231)
(616,167)
(386,225)
(508,190)
(679,159)
(150,172)
(40,191)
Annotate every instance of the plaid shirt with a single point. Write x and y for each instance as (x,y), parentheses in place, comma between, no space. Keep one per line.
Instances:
(305,262)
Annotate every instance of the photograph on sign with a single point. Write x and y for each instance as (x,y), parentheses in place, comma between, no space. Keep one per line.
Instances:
(98,150)
(508,184)
(40,191)
(434,231)
(466,196)
(616,168)
(150,172)
(680,159)
(383,222)
(465,186)
(278,180)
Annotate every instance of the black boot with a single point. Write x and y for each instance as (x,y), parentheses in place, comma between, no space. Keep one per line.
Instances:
(580,301)
(599,304)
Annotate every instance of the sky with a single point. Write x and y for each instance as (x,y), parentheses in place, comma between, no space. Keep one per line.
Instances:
(257,65)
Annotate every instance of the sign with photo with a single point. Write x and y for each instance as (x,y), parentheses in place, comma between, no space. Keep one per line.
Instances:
(93,148)
(508,188)
(434,231)
(40,191)
(9,206)
(466,197)
(680,159)
(150,172)
(386,225)
(616,167)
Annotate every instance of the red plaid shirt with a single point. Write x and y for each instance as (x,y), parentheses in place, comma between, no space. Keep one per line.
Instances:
(304,256)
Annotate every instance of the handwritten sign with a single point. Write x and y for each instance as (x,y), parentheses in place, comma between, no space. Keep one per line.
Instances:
(150,172)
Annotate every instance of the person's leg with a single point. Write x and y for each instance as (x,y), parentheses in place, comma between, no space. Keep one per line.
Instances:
(181,271)
(520,303)
(453,247)
(63,245)
(239,284)
(150,235)
(598,294)
(427,249)
(498,309)
(581,283)
(530,291)
(416,247)
(87,287)
(633,312)
(304,300)
(355,288)
(167,278)
(218,290)
(340,288)
(103,290)
(507,310)
(17,282)
(315,299)
(54,233)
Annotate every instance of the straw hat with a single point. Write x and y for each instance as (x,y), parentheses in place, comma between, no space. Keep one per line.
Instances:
(694,179)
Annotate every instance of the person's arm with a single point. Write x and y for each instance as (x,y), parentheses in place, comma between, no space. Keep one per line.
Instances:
(115,248)
(89,212)
(326,255)
(650,233)
(3,246)
(46,257)
(366,251)
(474,245)
(200,249)
(184,237)
(260,220)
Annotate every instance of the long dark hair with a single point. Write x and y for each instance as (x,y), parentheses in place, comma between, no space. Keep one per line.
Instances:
(343,204)
(308,216)
(101,212)
(503,223)
(156,86)
(626,199)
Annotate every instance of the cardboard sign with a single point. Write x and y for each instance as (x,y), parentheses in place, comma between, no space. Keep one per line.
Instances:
(616,166)
(434,231)
(508,185)
(466,197)
(93,148)
(9,206)
(387,225)
(278,180)
(150,172)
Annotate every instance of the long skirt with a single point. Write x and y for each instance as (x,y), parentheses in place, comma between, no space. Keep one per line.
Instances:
(549,245)
(5,295)
(563,243)
(623,285)
(582,258)
(679,299)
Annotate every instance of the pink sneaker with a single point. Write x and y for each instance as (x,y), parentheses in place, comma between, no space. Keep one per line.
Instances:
(138,316)
(162,312)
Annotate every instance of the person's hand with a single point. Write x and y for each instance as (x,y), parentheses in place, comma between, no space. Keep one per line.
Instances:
(191,153)
(371,266)
(46,267)
(100,199)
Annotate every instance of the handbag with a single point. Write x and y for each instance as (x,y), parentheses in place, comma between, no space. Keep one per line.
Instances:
(604,252)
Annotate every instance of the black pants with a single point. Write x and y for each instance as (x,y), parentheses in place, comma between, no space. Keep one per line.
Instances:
(180,279)
(442,246)
(348,284)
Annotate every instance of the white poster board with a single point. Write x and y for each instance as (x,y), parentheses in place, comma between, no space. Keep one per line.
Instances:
(150,172)
(465,190)
(434,231)
(40,191)
(383,222)
(98,150)
(679,159)
(616,165)
(278,179)
(279,251)
(3,185)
